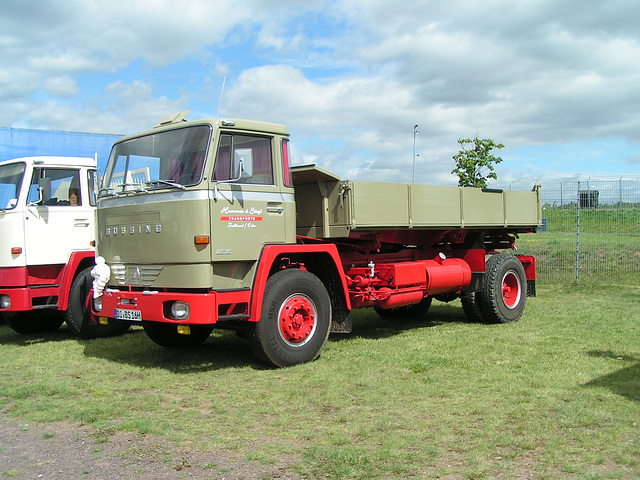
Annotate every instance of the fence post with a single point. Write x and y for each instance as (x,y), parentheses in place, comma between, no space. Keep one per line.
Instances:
(578,239)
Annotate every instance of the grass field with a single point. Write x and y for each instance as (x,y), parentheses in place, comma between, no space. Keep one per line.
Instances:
(604,258)
(555,395)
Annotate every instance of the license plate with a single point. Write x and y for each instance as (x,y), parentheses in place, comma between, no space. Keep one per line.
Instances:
(126,314)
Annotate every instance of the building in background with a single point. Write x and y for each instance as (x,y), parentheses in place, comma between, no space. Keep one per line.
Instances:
(18,142)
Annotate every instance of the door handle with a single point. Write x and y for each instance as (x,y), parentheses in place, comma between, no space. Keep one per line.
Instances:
(80,223)
(275,209)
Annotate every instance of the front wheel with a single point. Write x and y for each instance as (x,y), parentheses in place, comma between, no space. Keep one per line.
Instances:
(295,320)
(79,312)
(505,291)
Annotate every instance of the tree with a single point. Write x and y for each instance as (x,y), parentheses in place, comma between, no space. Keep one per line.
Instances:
(470,162)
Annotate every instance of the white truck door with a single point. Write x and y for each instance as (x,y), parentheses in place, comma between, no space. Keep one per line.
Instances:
(58,217)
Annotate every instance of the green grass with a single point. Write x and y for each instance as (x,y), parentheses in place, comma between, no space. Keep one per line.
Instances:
(556,395)
(609,246)
(603,258)
(604,219)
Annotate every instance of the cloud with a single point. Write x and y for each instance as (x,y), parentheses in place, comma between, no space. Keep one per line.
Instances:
(121,108)
(349,79)
(63,86)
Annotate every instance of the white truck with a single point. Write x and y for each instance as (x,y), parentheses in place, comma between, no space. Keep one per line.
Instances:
(47,225)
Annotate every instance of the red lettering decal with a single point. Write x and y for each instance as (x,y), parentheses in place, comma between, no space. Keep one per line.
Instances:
(241,219)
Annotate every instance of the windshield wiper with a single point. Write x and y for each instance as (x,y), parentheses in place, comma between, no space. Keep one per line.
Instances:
(166,182)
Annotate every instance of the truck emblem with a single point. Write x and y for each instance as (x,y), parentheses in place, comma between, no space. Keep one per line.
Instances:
(113,231)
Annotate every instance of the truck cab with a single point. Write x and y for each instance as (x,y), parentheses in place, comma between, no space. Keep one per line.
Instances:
(190,205)
(47,210)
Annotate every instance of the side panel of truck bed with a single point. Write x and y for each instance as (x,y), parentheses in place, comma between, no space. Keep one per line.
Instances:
(332,209)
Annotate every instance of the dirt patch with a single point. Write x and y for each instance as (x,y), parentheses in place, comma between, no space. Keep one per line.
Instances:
(60,451)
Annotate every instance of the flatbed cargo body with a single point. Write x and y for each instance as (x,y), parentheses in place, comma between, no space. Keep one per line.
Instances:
(328,207)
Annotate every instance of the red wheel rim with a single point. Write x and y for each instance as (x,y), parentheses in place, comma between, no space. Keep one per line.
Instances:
(297,320)
(511,289)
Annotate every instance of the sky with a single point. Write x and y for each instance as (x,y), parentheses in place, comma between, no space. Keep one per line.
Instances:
(556,81)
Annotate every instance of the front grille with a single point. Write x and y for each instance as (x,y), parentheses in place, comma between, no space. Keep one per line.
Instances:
(138,275)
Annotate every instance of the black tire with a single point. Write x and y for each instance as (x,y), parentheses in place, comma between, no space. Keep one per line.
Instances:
(37,321)
(416,310)
(471,305)
(295,320)
(78,315)
(505,289)
(166,334)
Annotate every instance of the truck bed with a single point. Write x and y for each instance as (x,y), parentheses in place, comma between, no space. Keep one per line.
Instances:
(328,207)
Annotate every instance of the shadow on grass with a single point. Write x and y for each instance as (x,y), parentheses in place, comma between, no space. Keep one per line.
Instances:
(625,381)
(369,325)
(10,337)
(222,349)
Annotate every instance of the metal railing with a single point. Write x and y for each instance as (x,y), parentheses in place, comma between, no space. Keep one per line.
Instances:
(590,232)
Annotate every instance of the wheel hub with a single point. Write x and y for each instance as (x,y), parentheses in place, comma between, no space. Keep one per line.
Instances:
(511,290)
(297,320)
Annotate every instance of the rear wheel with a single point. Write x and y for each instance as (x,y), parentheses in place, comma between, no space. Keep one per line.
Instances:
(416,310)
(78,315)
(505,292)
(166,334)
(36,321)
(471,305)
(295,320)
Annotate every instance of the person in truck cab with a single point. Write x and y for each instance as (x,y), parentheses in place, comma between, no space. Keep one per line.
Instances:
(74,197)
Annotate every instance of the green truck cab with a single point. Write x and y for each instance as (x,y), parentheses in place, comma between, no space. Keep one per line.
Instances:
(205,224)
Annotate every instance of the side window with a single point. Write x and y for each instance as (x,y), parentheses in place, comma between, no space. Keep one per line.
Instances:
(286,170)
(60,187)
(244,159)
(222,168)
(91,183)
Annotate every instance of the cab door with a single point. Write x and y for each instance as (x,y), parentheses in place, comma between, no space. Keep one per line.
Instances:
(58,217)
(248,209)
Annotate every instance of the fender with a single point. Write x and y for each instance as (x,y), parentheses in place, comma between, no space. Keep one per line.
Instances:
(269,255)
(76,260)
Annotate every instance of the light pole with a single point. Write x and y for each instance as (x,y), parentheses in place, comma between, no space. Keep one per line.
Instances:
(415,132)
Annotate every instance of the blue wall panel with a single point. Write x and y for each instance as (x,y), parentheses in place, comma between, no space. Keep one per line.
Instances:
(17,142)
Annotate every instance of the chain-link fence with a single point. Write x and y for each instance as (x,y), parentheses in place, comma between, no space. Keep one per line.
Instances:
(590,232)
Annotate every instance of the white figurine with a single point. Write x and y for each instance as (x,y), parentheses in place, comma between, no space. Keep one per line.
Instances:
(101,274)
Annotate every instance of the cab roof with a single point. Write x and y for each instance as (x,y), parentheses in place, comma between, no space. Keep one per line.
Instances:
(55,161)
(177,120)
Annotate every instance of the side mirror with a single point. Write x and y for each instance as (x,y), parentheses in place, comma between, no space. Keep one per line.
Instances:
(243,163)
(44,192)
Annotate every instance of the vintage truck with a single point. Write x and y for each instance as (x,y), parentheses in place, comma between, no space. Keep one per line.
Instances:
(205,224)
(47,209)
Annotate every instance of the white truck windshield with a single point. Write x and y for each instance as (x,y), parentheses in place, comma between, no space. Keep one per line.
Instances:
(10,180)
(174,158)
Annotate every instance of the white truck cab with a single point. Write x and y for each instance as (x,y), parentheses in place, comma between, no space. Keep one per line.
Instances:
(47,210)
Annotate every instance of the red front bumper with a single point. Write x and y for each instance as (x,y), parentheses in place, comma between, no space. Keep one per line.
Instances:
(24,299)
(204,308)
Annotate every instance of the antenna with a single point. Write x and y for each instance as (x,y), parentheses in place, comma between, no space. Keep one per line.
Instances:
(224,80)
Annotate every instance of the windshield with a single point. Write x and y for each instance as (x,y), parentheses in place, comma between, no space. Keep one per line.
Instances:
(10,180)
(173,158)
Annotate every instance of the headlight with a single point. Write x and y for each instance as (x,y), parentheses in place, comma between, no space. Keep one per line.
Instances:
(180,310)
(97,304)
(5,301)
